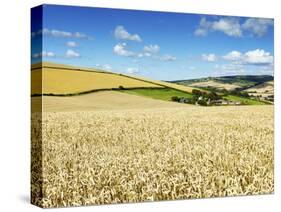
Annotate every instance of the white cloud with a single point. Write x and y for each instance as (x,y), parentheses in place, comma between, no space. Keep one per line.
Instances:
(201,32)
(168,57)
(60,33)
(232,27)
(252,57)
(258,26)
(71,53)
(209,57)
(80,35)
(132,70)
(71,44)
(153,49)
(233,56)
(258,57)
(122,34)
(229,26)
(43,54)
(120,49)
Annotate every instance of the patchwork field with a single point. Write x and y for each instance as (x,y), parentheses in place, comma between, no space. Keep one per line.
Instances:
(214,84)
(130,155)
(264,89)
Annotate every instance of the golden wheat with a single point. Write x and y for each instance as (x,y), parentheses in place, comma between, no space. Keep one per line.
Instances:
(63,79)
(58,81)
(118,156)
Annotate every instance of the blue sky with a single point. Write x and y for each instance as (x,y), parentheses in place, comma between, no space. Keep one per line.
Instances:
(158,45)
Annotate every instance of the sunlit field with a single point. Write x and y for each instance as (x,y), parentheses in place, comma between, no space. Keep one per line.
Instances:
(131,155)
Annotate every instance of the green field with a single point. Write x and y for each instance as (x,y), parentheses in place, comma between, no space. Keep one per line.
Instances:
(161,93)
(243,100)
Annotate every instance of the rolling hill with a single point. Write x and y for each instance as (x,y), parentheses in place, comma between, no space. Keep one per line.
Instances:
(73,83)
(264,89)
(58,79)
(240,82)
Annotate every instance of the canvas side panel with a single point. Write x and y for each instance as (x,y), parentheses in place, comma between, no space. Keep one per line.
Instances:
(36,106)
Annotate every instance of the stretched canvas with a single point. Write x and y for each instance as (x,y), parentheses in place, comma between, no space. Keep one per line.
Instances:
(133,106)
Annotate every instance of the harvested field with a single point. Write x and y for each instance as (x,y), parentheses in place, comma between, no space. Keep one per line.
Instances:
(103,100)
(264,89)
(131,155)
(61,79)
(214,84)
(57,81)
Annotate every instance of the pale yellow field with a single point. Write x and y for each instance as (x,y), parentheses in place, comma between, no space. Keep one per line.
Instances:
(58,81)
(215,84)
(264,89)
(131,155)
(71,80)
(103,100)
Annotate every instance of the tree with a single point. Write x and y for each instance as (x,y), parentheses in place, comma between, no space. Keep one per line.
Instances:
(175,98)
(202,102)
(196,92)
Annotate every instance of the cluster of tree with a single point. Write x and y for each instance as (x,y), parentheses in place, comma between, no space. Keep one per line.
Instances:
(236,91)
(270,98)
(205,95)
(199,97)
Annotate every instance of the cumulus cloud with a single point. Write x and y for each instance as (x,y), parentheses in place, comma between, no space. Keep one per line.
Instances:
(258,57)
(258,26)
(233,56)
(132,70)
(153,49)
(72,54)
(233,27)
(229,26)
(44,54)
(121,50)
(60,33)
(71,44)
(209,57)
(252,57)
(121,33)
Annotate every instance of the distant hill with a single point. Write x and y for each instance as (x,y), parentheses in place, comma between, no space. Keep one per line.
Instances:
(264,89)
(240,82)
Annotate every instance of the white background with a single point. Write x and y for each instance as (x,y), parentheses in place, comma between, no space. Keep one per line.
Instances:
(15,106)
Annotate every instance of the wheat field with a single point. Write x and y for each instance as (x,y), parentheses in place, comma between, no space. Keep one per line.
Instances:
(212,83)
(56,81)
(132,155)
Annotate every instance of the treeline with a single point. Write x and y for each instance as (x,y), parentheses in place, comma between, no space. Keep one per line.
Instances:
(235,92)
